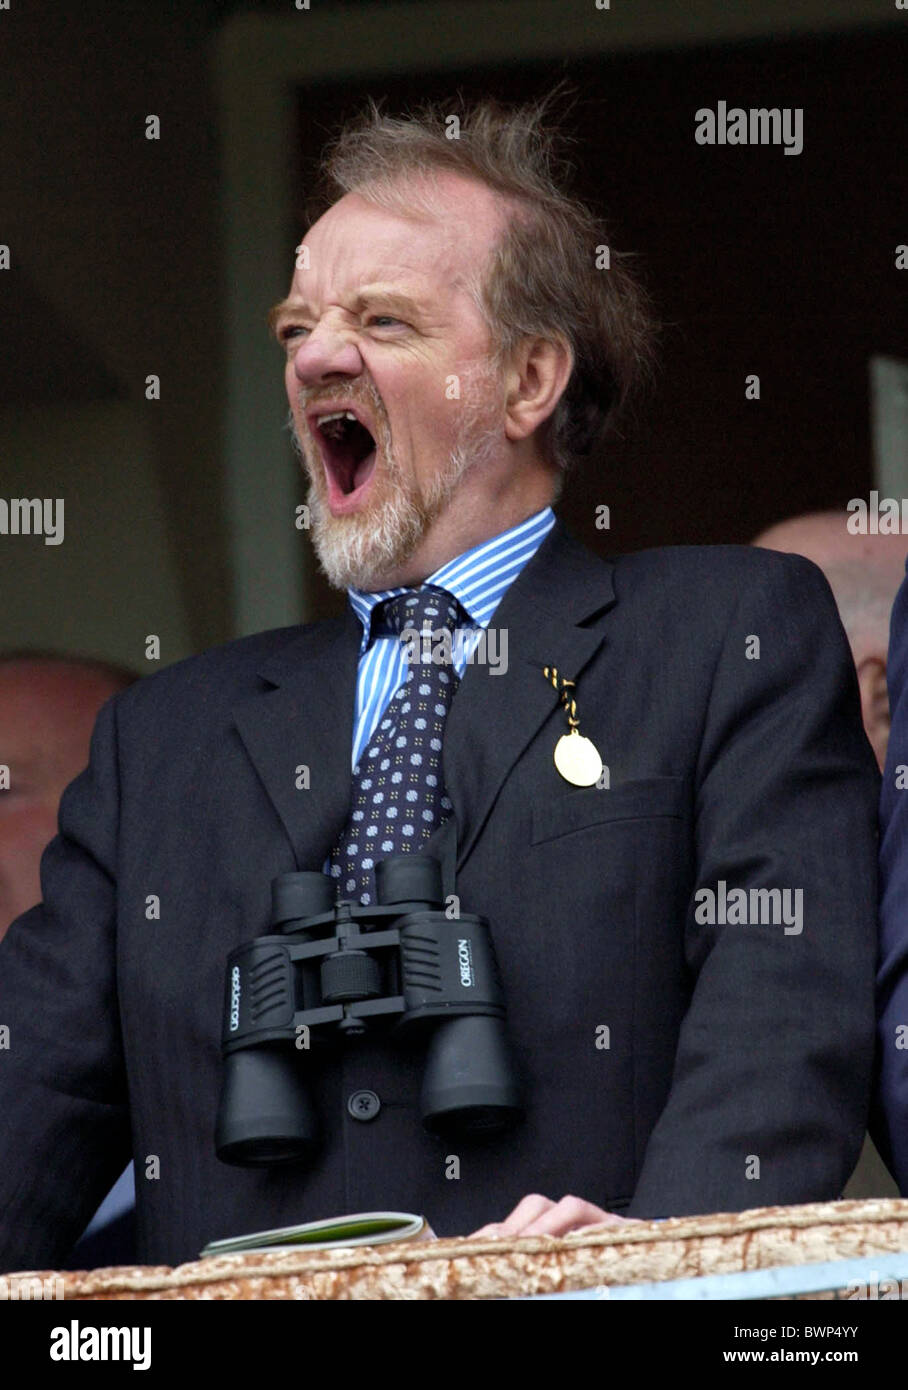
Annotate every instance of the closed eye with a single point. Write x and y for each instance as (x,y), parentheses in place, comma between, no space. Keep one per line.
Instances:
(294,330)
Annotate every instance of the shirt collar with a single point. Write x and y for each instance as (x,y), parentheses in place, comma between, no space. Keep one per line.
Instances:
(478,578)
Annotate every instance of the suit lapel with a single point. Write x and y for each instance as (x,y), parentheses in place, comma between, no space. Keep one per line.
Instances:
(307,720)
(494,717)
(306,715)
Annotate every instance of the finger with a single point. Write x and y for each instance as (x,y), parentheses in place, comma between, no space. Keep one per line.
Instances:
(528,1209)
(492,1230)
(570,1214)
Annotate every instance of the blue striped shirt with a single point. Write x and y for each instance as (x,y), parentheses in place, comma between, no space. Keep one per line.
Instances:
(479,579)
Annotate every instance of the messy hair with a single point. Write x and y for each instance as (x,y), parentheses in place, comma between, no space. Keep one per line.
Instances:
(541,278)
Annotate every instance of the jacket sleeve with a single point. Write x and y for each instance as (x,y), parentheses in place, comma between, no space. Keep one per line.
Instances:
(890,1118)
(64,1126)
(770,1091)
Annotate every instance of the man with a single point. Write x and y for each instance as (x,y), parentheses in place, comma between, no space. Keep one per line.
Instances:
(48,706)
(450,350)
(890,1108)
(864,573)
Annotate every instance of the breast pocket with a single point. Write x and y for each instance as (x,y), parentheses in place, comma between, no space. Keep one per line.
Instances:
(653,797)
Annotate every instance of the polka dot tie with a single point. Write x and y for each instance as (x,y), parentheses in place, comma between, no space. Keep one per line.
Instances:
(398,794)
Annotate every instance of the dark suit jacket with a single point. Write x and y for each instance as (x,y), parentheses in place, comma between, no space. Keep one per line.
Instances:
(890,1122)
(727,1044)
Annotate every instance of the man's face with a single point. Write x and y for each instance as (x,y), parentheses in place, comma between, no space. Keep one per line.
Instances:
(381,326)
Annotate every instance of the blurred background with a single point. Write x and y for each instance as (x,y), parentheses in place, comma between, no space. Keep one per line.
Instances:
(132,257)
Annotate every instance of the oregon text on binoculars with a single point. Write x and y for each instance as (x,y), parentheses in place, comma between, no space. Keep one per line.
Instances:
(485,646)
(338,971)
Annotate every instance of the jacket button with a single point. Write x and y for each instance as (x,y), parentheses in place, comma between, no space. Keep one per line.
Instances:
(364,1105)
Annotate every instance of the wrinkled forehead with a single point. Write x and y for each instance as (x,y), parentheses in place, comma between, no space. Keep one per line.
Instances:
(437,229)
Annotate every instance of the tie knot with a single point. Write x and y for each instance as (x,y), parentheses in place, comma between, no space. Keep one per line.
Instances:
(430,608)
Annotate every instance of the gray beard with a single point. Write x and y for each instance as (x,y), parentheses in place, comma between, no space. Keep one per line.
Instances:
(354,551)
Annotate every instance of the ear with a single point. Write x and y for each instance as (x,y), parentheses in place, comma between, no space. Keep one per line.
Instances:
(875,704)
(535,380)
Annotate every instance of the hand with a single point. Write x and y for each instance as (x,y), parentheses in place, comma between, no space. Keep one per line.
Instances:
(538,1216)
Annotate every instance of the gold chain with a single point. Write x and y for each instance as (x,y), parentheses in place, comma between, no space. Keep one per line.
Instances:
(564,685)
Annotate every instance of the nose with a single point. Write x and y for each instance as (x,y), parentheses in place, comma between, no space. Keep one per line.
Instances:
(327,351)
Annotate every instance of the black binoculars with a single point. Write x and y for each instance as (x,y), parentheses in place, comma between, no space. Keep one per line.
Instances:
(334,969)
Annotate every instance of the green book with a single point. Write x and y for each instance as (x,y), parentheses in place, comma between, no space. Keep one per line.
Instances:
(363,1228)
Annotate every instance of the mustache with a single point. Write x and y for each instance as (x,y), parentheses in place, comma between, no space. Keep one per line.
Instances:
(365,394)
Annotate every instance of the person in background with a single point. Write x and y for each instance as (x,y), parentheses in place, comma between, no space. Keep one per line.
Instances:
(890,1112)
(48,706)
(864,573)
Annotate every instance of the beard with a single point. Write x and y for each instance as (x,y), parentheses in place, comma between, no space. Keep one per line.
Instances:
(354,551)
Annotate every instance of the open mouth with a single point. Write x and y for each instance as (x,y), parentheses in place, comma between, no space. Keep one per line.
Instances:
(348,450)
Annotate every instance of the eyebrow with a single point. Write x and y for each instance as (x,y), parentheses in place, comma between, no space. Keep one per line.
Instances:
(392,298)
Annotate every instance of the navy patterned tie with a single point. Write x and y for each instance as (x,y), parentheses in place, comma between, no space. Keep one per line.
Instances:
(398,794)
